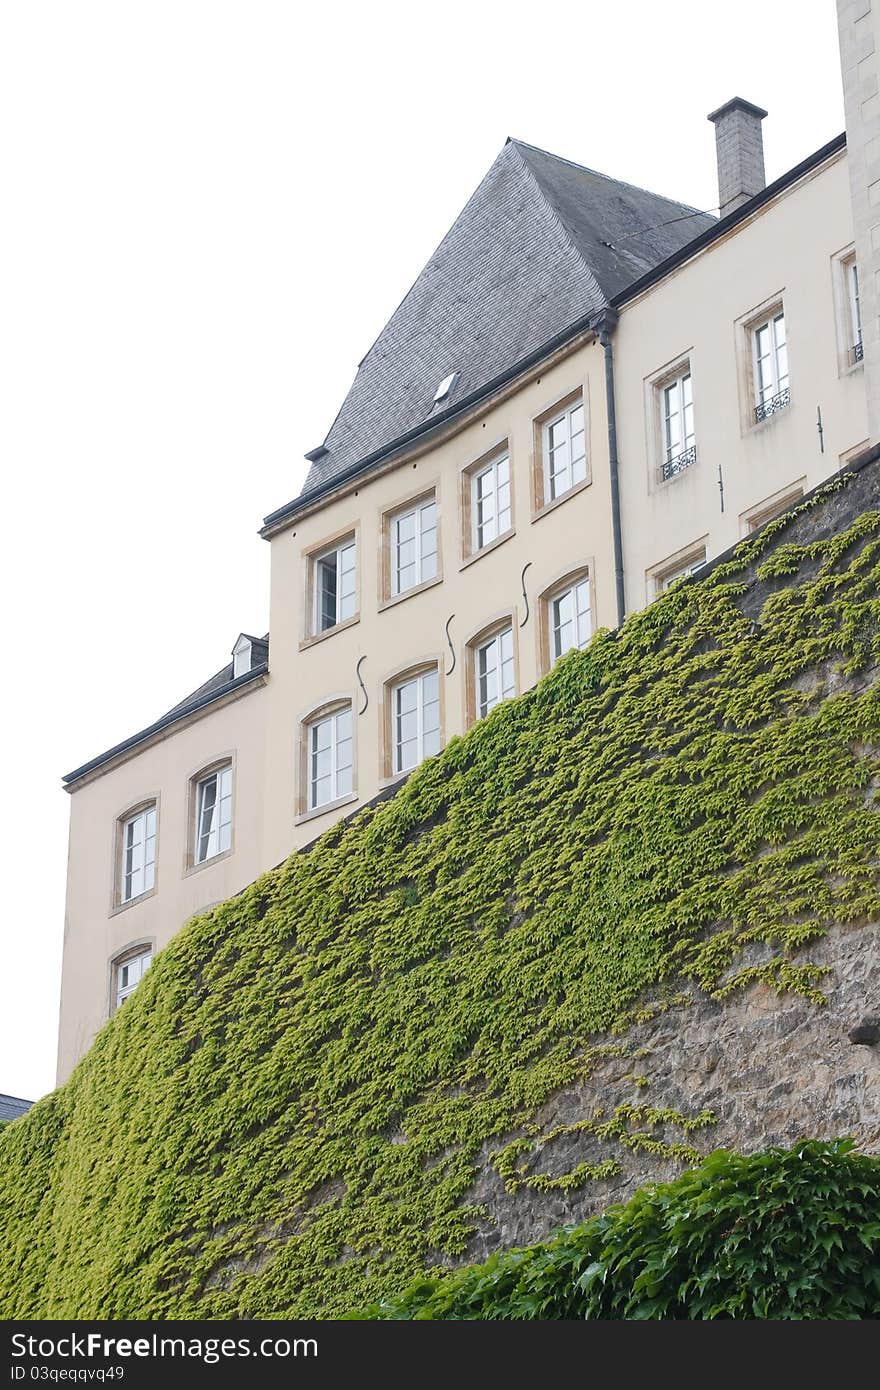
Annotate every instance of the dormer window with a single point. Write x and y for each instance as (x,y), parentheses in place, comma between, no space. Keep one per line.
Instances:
(444,390)
(242,657)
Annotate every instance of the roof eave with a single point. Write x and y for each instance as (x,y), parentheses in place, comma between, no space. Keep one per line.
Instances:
(256,676)
(728,223)
(283,516)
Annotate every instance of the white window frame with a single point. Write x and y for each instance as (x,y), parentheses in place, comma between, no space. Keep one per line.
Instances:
(423,568)
(777,382)
(143,959)
(855,306)
(337,551)
(419,681)
(553,489)
(490,469)
(147,820)
(583,629)
(495,646)
(674,457)
(241,657)
(687,567)
(221,830)
(311,732)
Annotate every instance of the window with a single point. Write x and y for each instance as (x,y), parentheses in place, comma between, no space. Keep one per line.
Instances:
(570,619)
(213,814)
(681,570)
(138,869)
(495,675)
(490,502)
(241,657)
(679,444)
(771,367)
(773,506)
(330,761)
(128,973)
(856,350)
(677,566)
(565,453)
(413,546)
(415,714)
(335,586)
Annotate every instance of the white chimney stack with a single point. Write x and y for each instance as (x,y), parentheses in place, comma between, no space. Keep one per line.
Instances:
(740,150)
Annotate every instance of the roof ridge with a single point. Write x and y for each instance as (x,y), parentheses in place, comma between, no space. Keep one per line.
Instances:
(609,178)
(552,208)
(436,251)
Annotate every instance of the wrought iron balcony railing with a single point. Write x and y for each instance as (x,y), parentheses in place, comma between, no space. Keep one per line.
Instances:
(678,464)
(856,353)
(772,406)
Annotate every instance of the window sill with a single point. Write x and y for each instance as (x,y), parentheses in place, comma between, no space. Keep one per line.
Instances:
(690,469)
(328,632)
(409,593)
(563,497)
(327,807)
(207,863)
(487,549)
(850,368)
(755,426)
(133,902)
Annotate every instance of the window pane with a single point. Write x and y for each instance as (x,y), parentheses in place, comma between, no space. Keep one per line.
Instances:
(326,592)
(487,676)
(346,602)
(128,975)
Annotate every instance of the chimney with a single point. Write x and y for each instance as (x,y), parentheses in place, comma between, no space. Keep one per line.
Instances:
(740,151)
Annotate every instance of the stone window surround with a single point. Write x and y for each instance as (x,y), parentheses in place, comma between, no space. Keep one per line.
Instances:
(310,557)
(502,445)
(386,721)
(387,598)
(132,809)
(138,946)
(744,328)
(541,503)
(331,704)
(695,552)
(226,759)
(506,618)
(562,581)
(769,508)
(654,386)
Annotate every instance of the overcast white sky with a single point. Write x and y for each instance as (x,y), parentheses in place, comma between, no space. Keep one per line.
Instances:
(209,210)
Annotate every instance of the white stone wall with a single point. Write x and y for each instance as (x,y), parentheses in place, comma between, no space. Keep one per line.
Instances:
(858,26)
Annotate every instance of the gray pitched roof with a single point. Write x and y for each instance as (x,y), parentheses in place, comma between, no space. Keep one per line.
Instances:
(217,685)
(540,245)
(11,1107)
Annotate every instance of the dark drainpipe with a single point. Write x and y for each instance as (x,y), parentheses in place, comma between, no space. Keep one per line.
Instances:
(605,328)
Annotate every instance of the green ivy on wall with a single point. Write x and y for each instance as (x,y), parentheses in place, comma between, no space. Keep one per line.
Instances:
(287,1115)
(782,1234)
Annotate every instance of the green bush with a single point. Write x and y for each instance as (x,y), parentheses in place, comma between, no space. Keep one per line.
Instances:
(782,1234)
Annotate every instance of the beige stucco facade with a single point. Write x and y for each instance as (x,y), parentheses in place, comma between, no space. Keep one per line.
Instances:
(99,930)
(858,23)
(790,255)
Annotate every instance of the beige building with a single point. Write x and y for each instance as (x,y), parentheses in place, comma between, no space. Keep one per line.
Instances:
(589,391)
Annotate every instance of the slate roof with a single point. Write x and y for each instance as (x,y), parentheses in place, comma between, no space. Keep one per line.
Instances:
(540,245)
(212,689)
(11,1107)
(216,683)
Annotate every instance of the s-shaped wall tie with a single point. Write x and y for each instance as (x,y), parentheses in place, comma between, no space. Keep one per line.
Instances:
(357,671)
(449,644)
(522,580)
